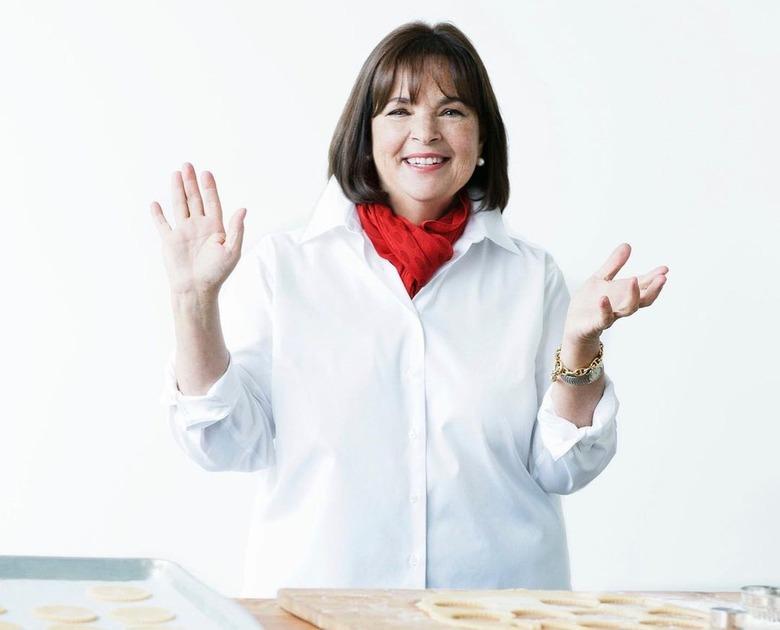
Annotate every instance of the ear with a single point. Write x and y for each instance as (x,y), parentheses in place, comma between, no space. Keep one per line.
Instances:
(481,145)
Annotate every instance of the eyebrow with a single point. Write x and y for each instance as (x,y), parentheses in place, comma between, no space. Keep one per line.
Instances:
(443,101)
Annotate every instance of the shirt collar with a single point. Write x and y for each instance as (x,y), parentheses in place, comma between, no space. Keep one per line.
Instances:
(334,209)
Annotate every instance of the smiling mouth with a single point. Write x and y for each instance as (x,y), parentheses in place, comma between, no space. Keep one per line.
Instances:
(427,164)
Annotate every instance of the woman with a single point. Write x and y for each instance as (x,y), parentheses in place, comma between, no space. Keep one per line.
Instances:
(392,380)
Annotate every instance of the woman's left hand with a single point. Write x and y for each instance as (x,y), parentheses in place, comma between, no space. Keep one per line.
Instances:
(602,299)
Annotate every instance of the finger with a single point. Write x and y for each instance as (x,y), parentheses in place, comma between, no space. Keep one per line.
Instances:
(652,291)
(236,237)
(212,206)
(633,300)
(616,260)
(160,221)
(179,198)
(194,201)
(646,279)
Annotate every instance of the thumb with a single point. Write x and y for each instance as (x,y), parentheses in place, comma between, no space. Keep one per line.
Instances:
(607,316)
(236,236)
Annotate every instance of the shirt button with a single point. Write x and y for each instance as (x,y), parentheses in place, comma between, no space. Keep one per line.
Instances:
(413,434)
(413,560)
(414,498)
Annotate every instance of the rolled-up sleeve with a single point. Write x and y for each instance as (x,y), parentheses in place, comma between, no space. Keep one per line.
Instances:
(231,426)
(564,457)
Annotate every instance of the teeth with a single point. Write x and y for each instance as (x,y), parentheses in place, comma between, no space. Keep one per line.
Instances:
(425,161)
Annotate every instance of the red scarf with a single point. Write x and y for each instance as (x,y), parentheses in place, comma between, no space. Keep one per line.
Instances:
(417,251)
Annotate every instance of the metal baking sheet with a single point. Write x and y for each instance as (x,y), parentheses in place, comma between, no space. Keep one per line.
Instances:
(27,582)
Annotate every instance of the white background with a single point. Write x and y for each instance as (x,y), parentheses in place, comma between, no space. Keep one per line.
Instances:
(650,123)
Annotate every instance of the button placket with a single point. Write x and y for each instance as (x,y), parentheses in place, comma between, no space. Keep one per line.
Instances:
(413,375)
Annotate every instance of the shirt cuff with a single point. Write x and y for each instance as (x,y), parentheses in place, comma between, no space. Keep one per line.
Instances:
(205,409)
(559,435)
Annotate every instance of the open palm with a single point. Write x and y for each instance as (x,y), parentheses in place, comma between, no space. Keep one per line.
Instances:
(199,255)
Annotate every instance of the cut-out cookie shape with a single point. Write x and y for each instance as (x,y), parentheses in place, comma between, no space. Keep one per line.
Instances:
(65,614)
(138,615)
(118,593)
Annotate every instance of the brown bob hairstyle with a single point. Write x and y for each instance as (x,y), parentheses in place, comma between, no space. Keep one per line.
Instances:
(415,48)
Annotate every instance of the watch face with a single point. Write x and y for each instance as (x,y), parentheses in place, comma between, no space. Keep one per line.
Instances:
(594,375)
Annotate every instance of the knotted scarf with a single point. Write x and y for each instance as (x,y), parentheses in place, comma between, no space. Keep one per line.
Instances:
(416,251)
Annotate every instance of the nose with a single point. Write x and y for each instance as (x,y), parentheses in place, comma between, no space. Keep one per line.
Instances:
(425,129)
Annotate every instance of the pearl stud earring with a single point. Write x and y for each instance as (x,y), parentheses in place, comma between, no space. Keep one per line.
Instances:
(480,161)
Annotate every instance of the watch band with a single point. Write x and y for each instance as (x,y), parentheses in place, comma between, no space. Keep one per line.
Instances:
(589,377)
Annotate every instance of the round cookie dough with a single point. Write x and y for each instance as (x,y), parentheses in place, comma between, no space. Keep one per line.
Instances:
(67,614)
(138,615)
(7,625)
(76,626)
(118,593)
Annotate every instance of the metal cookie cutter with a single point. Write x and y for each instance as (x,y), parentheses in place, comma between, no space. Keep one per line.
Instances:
(762,602)
(725,617)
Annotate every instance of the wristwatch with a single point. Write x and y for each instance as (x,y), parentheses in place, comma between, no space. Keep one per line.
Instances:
(580,376)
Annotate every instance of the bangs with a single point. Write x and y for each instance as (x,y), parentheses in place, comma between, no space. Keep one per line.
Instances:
(413,65)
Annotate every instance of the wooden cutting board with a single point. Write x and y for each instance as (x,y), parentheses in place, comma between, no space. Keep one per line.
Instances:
(394,609)
(341,609)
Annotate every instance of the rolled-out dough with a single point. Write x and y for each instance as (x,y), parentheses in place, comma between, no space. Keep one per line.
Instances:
(556,610)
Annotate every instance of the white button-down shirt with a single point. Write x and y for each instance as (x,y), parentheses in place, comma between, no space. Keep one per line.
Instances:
(404,443)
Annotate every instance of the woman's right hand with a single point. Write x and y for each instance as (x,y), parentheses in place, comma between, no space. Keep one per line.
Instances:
(198,254)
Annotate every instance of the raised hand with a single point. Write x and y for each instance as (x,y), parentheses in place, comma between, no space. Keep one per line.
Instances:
(198,253)
(602,299)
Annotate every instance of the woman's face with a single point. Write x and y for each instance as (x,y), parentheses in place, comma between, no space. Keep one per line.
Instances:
(434,125)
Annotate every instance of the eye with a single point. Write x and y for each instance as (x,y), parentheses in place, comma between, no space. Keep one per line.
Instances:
(455,111)
(396,111)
